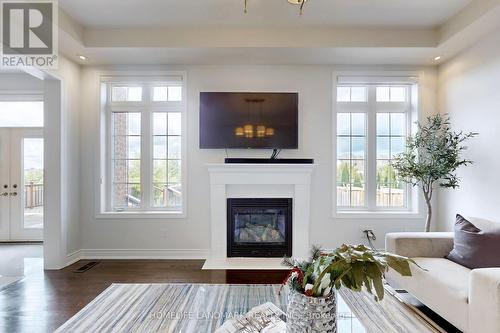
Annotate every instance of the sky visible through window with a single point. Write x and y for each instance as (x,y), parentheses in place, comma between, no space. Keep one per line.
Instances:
(33,153)
(21,114)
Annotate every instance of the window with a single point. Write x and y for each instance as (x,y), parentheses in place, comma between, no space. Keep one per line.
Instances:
(126,160)
(144,161)
(21,111)
(166,159)
(372,123)
(391,138)
(351,159)
(126,94)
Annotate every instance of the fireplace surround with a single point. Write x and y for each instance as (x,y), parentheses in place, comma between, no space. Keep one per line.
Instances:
(259,227)
(257,181)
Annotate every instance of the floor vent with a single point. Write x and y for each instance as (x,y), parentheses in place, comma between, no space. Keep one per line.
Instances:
(86,267)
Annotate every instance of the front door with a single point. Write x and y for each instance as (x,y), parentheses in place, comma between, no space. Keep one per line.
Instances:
(21,184)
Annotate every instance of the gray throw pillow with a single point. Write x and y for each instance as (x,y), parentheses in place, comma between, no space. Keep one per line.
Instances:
(473,247)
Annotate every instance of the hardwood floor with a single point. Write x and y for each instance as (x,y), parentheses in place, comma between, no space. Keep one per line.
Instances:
(42,301)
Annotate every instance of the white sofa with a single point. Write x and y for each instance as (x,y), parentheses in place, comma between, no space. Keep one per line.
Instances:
(468,299)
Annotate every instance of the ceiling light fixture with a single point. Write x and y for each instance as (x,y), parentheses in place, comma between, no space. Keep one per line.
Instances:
(82,57)
(437,58)
(300,3)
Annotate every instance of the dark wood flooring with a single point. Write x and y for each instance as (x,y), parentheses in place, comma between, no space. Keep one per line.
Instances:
(42,301)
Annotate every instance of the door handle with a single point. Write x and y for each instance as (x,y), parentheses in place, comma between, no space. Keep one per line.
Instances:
(13,194)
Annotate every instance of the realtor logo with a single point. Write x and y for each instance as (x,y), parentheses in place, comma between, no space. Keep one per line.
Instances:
(29,33)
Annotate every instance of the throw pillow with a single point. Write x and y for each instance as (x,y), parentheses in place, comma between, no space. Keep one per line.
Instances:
(473,247)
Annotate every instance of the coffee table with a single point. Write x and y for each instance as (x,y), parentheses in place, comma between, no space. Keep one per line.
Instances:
(202,308)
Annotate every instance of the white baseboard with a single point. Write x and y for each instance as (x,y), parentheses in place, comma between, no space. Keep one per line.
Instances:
(73,257)
(144,253)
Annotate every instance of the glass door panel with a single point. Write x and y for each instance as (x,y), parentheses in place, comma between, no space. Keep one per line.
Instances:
(33,183)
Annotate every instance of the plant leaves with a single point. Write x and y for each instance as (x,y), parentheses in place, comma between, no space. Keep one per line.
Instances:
(352,267)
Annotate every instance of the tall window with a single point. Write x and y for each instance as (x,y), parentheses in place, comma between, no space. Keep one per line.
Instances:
(372,123)
(145,155)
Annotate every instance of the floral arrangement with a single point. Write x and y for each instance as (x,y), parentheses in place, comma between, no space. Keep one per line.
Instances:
(350,266)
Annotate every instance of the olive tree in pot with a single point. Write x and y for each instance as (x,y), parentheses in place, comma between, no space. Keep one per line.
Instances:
(432,157)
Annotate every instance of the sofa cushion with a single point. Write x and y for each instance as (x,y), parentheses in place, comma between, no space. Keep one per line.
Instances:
(443,287)
(473,247)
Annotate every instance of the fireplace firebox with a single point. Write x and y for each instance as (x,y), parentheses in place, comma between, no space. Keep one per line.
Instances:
(260,227)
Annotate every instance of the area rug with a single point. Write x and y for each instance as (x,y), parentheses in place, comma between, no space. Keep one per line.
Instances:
(204,307)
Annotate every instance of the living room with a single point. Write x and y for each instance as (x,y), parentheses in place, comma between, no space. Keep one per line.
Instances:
(165,156)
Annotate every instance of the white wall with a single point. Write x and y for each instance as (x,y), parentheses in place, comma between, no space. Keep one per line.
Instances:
(62,235)
(314,84)
(19,81)
(69,72)
(468,91)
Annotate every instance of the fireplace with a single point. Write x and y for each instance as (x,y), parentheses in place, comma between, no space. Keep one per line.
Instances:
(259,227)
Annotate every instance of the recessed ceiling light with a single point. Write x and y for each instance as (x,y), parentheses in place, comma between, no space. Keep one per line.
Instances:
(82,57)
(437,58)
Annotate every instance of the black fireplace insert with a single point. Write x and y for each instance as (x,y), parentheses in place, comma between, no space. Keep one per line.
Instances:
(259,227)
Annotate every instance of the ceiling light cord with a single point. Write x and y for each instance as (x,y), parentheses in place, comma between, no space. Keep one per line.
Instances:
(245,11)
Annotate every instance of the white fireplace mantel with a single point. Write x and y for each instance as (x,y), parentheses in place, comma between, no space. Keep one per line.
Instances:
(259,181)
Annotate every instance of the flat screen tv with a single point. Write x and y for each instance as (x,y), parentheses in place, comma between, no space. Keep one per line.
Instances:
(248,120)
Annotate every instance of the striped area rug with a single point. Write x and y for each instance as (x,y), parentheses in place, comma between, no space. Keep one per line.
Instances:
(202,308)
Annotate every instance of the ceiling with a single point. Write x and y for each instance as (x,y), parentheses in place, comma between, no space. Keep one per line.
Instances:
(398,32)
(260,56)
(126,13)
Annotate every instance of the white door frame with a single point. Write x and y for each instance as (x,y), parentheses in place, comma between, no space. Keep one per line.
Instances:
(56,123)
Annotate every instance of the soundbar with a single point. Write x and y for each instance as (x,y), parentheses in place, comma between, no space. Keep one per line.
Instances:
(269,161)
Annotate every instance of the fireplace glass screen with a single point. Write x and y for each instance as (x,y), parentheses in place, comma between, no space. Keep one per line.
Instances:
(259,227)
(254,225)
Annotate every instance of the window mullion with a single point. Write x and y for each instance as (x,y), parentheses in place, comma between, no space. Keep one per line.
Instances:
(146,150)
(371,161)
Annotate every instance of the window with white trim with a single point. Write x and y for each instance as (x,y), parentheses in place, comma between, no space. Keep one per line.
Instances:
(373,120)
(143,154)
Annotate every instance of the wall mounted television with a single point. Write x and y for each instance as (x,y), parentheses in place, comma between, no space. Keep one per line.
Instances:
(248,120)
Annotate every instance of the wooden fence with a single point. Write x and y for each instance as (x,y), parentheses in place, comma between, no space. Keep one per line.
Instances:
(394,198)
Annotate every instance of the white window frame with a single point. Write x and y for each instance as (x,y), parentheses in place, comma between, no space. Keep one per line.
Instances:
(413,207)
(147,106)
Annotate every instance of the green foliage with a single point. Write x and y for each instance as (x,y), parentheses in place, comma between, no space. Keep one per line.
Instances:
(170,172)
(353,267)
(386,175)
(34,176)
(433,155)
(343,177)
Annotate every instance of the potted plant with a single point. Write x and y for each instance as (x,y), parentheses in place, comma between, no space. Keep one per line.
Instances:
(431,158)
(312,283)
